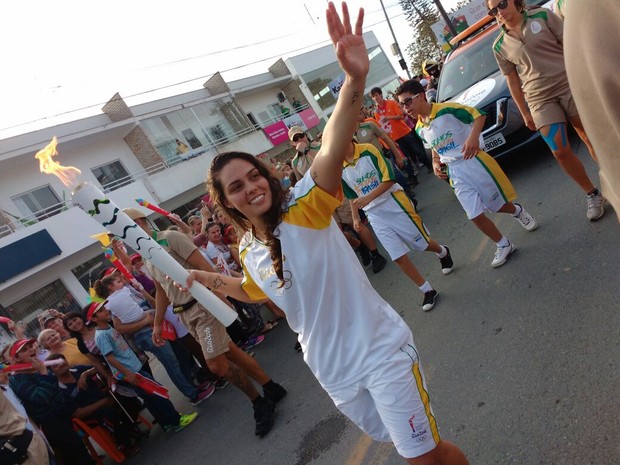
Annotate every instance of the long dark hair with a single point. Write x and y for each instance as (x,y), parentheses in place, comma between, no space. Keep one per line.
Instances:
(273,217)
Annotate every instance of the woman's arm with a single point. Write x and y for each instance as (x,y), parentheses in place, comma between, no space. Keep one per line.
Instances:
(227,285)
(352,56)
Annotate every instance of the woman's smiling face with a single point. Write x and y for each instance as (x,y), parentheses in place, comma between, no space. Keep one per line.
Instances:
(245,189)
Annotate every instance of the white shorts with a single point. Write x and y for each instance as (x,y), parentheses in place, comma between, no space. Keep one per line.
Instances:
(391,404)
(480,185)
(398,226)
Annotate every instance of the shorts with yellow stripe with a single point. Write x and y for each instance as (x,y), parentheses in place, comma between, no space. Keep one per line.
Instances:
(480,185)
(397,225)
(392,404)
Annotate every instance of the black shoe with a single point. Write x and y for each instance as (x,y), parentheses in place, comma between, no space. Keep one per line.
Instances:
(378,263)
(263,415)
(429,300)
(365,254)
(446,262)
(275,393)
(220,383)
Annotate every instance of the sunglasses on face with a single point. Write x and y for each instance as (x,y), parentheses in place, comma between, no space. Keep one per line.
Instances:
(298,137)
(501,6)
(408,100)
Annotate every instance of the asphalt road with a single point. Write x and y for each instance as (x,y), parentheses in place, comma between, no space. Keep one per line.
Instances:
(521,361)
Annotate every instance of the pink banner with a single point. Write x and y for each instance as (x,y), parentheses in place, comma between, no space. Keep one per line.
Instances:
(277,133)
(309,117)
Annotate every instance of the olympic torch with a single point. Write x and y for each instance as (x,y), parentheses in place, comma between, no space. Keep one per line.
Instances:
(103,210)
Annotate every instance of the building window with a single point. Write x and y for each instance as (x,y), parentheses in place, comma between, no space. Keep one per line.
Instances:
(88,272)
(112,175)
(203,126)
(38,204)
(25,311)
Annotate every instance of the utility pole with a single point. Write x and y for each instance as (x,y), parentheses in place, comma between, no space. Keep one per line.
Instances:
(445,17)
(403,63)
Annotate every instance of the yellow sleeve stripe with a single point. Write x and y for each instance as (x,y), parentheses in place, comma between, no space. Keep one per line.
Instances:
(314,209)
(248,284)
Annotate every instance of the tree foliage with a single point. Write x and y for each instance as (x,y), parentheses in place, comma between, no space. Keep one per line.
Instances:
(421,15)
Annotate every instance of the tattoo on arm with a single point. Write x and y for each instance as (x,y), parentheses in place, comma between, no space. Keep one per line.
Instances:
(356,96)
(218,282)
(314,174)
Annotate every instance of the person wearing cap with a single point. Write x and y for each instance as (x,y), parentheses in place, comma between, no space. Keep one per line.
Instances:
(223,357)
(125,365)
(305,152)
(131,319)
(46,405)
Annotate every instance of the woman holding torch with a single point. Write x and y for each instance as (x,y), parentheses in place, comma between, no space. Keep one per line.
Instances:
(357,346)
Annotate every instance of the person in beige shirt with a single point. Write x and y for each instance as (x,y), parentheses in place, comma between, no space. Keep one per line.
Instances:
(305,151)
(529,52)
(592,41)
(13,426)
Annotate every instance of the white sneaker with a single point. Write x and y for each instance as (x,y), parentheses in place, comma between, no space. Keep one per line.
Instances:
(525,219)
(501,255)
(596,206)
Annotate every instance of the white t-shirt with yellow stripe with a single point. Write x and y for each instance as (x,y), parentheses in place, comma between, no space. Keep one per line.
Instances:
(345,328)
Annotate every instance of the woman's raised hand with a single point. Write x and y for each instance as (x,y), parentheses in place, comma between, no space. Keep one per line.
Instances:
(350,48)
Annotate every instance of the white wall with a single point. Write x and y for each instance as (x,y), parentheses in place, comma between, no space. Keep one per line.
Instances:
(257,103)
(26,176)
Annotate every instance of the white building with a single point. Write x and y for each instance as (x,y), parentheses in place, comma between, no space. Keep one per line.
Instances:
(47,257)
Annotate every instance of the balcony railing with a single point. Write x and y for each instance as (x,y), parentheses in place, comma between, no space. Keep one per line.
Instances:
(34,218)
(270,121)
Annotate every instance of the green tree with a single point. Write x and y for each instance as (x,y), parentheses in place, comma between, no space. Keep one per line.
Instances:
(421,15)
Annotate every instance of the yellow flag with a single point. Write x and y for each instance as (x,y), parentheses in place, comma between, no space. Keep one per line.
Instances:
(103,238)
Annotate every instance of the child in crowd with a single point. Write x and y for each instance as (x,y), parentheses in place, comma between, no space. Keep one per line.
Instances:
(139,323)
(453,130)
(125,364)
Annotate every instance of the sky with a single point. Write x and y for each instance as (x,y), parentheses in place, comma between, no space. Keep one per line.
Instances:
(68,55)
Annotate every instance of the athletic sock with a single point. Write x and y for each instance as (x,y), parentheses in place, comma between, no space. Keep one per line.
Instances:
(426,287)
(503,242)
(518,210)
(443,252)
(593,192)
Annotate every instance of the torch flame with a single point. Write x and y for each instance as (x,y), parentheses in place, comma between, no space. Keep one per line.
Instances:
(67,174)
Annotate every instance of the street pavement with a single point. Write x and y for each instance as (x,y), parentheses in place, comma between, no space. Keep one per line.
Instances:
(521,361)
